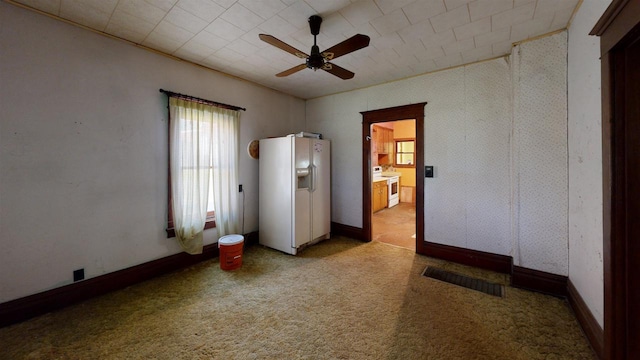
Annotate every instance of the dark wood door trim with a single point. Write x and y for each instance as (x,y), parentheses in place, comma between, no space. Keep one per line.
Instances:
(405,112)
(619,29)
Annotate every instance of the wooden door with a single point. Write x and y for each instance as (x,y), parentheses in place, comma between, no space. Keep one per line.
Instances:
(619,29)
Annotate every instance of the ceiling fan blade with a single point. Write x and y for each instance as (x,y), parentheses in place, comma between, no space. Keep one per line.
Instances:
(294,69)
(336,70)
(356,42)
(282,45)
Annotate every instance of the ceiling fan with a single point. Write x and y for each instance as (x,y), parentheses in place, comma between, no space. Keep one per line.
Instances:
(320,60)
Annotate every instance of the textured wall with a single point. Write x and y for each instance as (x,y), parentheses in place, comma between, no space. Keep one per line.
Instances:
(497,136)
(83,149)
(585,158)
(540,154)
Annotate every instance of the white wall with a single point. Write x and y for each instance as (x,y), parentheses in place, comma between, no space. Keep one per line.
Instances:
(83,149)
(585,158)
(540,154)
(469,131)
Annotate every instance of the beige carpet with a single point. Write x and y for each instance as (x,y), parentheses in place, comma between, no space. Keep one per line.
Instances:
(340,299)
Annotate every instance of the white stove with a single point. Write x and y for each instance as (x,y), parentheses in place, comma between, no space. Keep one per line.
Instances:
(392,185)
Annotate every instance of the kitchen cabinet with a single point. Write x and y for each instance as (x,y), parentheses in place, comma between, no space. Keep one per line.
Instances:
(380,195)
(382,144)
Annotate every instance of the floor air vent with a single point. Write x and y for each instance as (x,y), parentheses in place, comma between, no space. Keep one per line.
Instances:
(464,281)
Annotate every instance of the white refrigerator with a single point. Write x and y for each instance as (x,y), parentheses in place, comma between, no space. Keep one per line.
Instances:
(295,192)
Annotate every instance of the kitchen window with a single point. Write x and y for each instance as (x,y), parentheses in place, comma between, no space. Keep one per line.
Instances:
(405,153)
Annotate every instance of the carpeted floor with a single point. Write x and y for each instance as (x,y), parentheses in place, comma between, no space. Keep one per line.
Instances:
(340,299)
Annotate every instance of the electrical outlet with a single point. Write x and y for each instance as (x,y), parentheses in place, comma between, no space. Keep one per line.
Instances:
(240,188)
(78,275)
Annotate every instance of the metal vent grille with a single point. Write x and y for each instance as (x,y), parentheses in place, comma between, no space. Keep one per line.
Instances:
(464,281)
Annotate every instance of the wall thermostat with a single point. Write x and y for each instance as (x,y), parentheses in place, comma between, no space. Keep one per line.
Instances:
(428,171)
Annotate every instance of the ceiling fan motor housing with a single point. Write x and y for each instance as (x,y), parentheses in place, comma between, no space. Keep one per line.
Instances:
(315,60)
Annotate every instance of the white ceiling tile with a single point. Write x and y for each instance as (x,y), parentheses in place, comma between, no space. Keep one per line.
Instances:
(106,6)
(482,8)
(452,4)
(86,13)
(493,37)
(162,43)
(204,9)
(210,40)
(242,17)
(129,27)
(142,10)
(479,27)
(165,5)
(228,55)
(48,6)
(419,11)
(476,54)
(242,47)
(513,16)
(277,26)
(417,31)
(225,3)
(184,19)
(548,7)
(298,14)
(126,33)
(291,2)
(390,23)
(458,46)
(439,39)
(517,3)
(424,67)
(264,8)
(449,61)
(224,29)
(335,24)
(386,41)
(388,6)
(194,51)
(502,48)
(173,32)
(450,19)
(530,28)
(361,12)
(324,7)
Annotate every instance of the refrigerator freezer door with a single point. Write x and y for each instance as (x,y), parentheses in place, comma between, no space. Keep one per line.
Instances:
(302,213)
(321,195)
(276,194)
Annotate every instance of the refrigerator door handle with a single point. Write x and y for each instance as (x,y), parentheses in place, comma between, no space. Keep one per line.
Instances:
(314,174)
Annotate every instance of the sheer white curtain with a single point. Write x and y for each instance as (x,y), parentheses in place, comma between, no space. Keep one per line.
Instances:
(225,171)
(203,151)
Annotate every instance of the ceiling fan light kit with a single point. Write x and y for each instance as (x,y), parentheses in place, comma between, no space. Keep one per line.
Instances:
(320,60)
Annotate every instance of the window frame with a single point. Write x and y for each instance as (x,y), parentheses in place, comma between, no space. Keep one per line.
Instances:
(396,153)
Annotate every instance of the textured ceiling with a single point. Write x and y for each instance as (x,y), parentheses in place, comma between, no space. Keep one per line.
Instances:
(408,37)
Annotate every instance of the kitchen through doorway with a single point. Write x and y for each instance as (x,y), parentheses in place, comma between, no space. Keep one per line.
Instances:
(393,175)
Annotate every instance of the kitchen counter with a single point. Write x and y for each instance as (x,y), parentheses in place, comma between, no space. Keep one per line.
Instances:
(390,173)
(380,179)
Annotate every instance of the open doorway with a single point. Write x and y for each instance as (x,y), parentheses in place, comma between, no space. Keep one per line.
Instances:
(393,205)
(406,112)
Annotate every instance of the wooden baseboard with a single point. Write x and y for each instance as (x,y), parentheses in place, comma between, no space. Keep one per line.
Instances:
(480,259)
(539,281)
(347,230)
(592,330)
(18,310)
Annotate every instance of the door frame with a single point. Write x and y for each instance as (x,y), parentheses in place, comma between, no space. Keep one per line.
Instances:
(618,27)
(404,112)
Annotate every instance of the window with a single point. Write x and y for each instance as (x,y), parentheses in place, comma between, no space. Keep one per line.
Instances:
(405,153)
(203,170)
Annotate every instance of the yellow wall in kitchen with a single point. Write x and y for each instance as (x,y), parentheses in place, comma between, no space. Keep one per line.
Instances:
(405,129)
